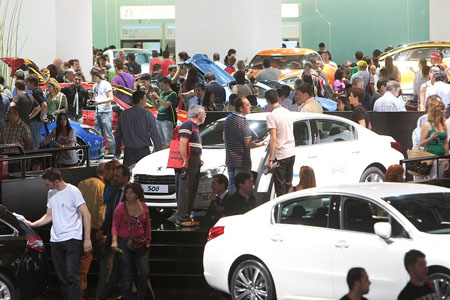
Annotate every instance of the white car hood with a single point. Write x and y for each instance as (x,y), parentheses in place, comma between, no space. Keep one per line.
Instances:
(155,163)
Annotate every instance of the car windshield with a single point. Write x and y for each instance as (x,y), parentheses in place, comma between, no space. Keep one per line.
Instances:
(428,212)
(212,135)
(283,61)
(140,57)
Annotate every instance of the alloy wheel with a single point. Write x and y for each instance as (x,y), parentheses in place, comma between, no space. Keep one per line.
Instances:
(251,284)
(441,284)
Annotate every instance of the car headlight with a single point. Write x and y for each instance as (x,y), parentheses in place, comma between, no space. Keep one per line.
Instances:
(90,129)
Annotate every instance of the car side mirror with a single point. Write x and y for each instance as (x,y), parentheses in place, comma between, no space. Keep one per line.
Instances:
(383,230)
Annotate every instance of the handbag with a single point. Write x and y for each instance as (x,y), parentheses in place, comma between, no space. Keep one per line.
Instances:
(419,168)
(136,244)
(175,160)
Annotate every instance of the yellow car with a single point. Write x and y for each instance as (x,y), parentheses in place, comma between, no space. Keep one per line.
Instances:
(406,59)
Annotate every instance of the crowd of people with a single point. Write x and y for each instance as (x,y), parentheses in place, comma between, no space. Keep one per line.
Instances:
(111,210)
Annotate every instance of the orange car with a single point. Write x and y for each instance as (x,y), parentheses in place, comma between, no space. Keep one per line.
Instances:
(290,61)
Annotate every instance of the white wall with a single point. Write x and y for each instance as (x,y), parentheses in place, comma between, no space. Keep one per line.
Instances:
(55,28)
(206,26)
(439,20)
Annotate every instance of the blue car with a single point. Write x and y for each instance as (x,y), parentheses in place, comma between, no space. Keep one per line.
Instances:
(86,135)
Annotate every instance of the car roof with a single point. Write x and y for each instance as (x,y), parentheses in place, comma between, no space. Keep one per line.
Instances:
(286,51)
(262,116)
(416,45)
(376,190)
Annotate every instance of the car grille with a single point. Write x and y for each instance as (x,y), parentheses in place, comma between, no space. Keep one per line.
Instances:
(149,179)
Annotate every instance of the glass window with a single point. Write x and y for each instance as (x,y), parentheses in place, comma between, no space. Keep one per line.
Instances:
(427,212)
(446,52)
(212,135)
(361,215)
(283,61)
(334,131)
(302,133)
(422,53)
(402,55)
(5,229)
(312,211)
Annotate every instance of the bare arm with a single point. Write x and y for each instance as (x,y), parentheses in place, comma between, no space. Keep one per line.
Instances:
(110,98)
(48,138)
(87,227)
(183,152)
(273,142)
(250,144)
(45,219)
(44,109)
(423,89)
(424,141)
(166,104)
(33,113)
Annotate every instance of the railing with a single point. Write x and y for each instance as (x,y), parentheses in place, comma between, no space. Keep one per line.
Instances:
(50,153)
(419,159)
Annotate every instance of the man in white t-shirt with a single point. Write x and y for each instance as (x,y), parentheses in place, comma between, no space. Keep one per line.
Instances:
(103,96)
(282,143)
(68,213)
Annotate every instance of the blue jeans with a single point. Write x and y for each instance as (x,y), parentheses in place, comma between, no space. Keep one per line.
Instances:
(130,260)
(165,131)
(36,135)
(232,172)
(103,124)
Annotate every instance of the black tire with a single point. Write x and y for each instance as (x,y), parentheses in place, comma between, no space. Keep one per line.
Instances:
(161,213)
(372,174)
(7,290)
(263,286)
(81,153)
(441,283)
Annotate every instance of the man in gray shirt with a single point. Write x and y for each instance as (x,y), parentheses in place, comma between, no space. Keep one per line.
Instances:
(268,73)
(137,129)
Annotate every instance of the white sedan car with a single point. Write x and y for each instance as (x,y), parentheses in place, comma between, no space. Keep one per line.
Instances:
(301,245)
(339,150)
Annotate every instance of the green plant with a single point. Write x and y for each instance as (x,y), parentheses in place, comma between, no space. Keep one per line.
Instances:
(9,33)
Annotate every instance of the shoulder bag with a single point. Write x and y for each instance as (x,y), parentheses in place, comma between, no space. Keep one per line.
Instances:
(419,168)
(136,244)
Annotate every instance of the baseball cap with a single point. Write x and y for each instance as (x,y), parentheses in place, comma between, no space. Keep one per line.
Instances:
(361,63)
(435,55)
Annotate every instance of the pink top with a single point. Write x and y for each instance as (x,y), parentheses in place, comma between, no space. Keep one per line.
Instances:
(120,224)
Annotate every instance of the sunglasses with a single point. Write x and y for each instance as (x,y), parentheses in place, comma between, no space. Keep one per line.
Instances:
(138,223)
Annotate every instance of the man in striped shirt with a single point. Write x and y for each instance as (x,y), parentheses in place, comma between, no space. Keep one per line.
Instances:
(238,141)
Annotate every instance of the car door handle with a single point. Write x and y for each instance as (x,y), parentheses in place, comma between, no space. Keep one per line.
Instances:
(277,238)
(341,244)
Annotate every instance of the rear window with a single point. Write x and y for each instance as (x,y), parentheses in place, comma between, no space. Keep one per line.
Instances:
(283,61)
(428,212)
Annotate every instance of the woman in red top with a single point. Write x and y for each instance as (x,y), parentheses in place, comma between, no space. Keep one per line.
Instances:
(131,219)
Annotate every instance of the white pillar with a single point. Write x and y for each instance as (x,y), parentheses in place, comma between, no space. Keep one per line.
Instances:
(55,28)
(249,26)
(439,21)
